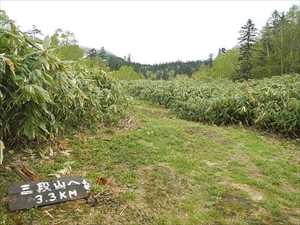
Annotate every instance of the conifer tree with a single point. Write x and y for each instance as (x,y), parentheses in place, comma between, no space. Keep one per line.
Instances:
(246,40)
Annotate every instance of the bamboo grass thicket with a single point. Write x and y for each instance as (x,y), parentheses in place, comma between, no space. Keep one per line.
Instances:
(271,104)
(41,95)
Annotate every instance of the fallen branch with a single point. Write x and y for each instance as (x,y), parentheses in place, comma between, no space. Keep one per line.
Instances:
(24,172)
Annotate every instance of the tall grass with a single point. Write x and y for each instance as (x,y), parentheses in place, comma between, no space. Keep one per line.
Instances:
(271,104)
(41,95)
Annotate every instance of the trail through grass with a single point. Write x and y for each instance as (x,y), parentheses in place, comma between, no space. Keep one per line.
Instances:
(170,171)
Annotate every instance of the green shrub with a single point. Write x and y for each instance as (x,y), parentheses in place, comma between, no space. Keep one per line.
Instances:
(272,104)
(126,73)
(225,66)
(41,95)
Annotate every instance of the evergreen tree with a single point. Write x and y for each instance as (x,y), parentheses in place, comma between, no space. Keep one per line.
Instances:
(92,52)
(221,51)
(129,58)
(278,48)
(102,52)
(246,40)
(210,60)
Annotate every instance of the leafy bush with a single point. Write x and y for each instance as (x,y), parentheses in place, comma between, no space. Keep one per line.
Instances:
(225,66)
(41,95)
(126,73)
(272,104)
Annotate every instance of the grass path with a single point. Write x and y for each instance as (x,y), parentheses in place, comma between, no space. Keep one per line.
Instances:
(163,170)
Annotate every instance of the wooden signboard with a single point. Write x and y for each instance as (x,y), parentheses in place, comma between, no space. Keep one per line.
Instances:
(40,193)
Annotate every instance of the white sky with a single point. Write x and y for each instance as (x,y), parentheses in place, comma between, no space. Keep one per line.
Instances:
(152,31)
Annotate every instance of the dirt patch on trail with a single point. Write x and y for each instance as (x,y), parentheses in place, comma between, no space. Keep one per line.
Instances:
(289,188)
(128,122)
(160,184)
(210,164)
(254,194)
(209,133)
(157,112)
(159,189)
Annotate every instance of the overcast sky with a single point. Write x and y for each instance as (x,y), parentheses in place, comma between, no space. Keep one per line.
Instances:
(152,31)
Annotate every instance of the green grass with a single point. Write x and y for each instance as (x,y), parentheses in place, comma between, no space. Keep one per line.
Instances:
(171,171)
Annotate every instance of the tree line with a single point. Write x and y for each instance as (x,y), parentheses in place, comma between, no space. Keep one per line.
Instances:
(161,71)
(275,50)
